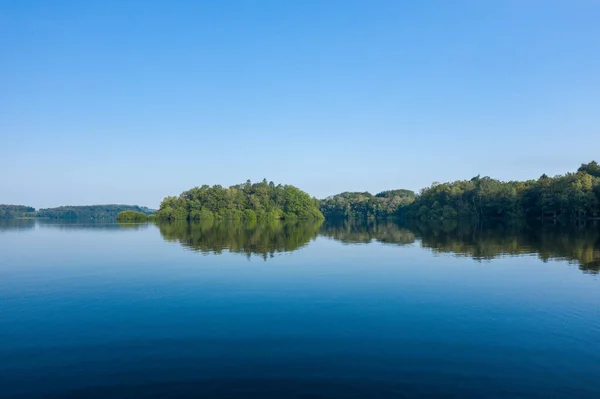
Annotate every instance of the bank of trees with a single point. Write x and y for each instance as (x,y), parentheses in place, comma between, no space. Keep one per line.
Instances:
(355,205)
(570,196)
(564,197)
(16,211)
(248,201)
(90,212)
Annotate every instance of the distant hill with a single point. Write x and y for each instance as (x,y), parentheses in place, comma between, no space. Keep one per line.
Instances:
(91,212)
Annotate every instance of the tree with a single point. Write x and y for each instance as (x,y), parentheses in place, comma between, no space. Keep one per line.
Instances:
(591,168)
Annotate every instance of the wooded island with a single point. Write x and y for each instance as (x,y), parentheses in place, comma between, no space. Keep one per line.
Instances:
(258,201)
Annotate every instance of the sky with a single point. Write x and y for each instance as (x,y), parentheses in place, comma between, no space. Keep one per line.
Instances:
(124,101)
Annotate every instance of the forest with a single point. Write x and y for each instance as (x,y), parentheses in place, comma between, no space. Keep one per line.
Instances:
(366,205)
(564,197)
(15,211)
(90,212)
(87,212)
(248,201)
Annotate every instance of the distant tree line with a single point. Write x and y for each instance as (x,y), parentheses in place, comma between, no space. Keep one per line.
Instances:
(248,201)
(564,197)
(89,212)
(15,211)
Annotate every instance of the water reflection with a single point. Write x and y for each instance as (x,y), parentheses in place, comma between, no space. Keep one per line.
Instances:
(89,225)
(16,224)
(264,239)
(364,232)
(577,244)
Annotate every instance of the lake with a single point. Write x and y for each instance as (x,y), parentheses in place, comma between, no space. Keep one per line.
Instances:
(338,310)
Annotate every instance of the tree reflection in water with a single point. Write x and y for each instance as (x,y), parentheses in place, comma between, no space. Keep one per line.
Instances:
(576,244)
(264,239)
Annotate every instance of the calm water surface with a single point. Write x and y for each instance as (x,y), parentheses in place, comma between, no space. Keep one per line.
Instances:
(298,311)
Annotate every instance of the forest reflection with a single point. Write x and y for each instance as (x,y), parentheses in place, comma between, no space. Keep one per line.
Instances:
(366,231)
(576,244)
(16,224)
(264,239)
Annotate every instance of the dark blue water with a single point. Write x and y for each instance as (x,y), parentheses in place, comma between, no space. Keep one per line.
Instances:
(380,311)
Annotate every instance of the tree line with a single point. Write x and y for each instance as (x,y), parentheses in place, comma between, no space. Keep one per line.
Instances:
(571,196)
(563,197)
(248,201)
(366,205)
(87,212)
(90,212)
(567,197)
(15,211)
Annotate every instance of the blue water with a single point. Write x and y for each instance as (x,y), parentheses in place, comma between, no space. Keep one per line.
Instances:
(102,311)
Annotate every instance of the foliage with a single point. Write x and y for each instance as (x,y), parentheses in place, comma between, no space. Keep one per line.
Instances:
(365,205)
(591,168)
(96,212)
(250,202)
(570,196)
(16,211)
(566,197)
(131,216)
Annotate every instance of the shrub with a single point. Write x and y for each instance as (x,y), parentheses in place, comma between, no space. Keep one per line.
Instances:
(131,216)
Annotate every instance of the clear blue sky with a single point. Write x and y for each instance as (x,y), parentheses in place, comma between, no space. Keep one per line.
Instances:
(129,101)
